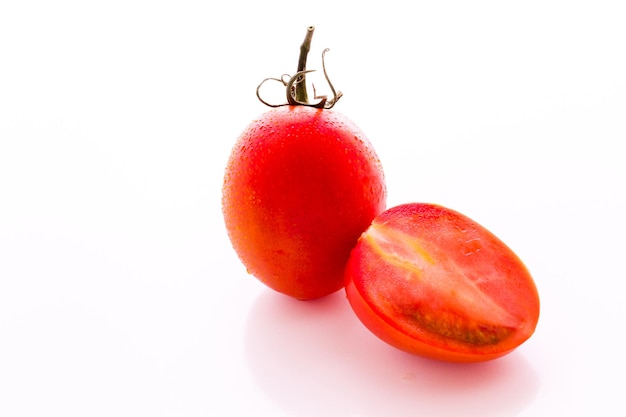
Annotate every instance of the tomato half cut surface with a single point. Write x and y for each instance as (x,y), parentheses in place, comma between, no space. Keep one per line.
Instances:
(432,282)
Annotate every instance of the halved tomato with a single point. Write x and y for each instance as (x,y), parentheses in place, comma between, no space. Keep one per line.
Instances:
(430,281)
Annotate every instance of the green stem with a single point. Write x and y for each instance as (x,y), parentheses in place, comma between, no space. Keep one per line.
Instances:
(301,94)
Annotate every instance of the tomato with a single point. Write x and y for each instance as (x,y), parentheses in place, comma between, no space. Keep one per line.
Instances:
(432,282)
(301,185)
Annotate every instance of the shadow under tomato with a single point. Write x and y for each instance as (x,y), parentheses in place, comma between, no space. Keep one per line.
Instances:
(315,358)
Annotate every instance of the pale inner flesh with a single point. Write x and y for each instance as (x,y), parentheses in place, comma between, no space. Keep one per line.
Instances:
(437,294)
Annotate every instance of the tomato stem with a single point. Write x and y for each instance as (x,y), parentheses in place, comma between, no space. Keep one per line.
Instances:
(296,86)
(301,93)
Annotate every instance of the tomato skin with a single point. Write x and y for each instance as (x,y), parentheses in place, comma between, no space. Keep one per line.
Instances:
(432,282)
(301,185)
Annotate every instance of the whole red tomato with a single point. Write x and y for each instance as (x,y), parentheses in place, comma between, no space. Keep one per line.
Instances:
(301,185)
(430,281)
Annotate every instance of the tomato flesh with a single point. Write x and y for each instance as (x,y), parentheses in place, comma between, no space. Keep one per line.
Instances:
(430,281)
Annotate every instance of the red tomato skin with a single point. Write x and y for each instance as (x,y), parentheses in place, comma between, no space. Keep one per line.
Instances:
(461,296)
(301,185)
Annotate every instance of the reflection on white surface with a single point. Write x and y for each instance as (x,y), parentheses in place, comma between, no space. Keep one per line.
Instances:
(315,358)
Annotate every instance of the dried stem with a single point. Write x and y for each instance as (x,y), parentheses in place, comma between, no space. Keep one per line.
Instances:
(301,93)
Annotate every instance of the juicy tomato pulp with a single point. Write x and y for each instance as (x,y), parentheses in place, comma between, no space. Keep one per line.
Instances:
(301,185)
(432,282)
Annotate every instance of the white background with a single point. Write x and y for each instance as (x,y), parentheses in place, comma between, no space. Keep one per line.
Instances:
(120,294)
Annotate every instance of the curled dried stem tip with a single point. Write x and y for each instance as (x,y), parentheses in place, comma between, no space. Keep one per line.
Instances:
(295,85)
